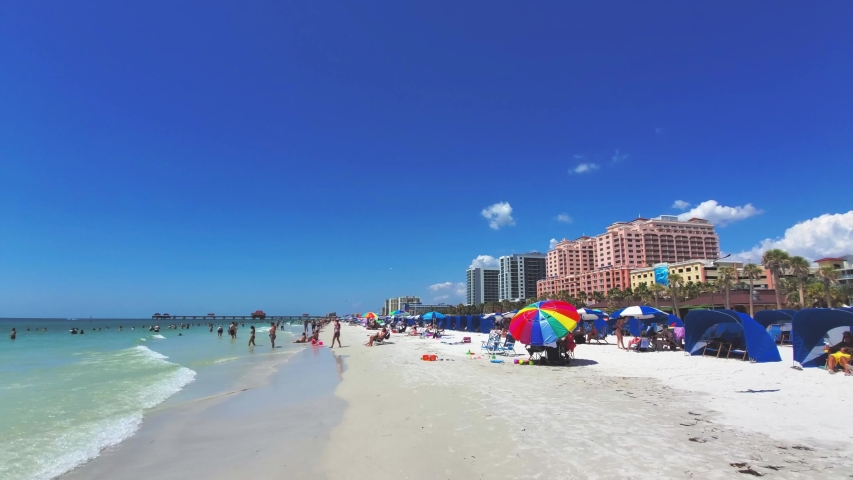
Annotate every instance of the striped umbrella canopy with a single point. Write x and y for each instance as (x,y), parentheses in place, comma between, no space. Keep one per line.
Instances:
(642,312)
(543,323)
(397,312)
(370,315)
(591,314)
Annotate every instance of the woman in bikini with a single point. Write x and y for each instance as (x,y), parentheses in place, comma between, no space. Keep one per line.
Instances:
(619,334)
(252,336)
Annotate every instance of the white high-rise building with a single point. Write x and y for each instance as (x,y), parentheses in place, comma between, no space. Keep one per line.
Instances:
(483,285)
(519,274)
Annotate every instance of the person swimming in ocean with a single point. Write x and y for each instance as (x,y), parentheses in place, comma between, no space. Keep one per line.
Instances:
(252,336)
(272,334)
(13,334)
(219,331)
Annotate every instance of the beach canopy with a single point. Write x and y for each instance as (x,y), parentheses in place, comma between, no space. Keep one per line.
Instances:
(432,316)
(698,324)
(370,315)
(397,312)
(811,327)
(774,317)
(591,314)
(642,312)
(543,323)
(672,319)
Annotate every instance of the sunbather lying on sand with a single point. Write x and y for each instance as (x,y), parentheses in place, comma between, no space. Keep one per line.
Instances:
(383,334)
(302,339)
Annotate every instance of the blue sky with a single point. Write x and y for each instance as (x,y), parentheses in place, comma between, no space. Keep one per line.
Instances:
(317,156)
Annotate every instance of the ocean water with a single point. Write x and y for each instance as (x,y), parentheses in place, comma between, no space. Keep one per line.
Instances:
(64,398)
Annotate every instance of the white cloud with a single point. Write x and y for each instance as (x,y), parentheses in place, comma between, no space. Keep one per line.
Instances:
(564,218)
(440,286)
(617,157)
(719,214)
(578,156)
(681,204)
(828,235)
(552,244)
(484,261)
(455,290)
(499,215)
(584,168)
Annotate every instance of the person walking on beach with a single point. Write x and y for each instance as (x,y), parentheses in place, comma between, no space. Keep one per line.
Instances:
(272,334)
(305,323)
(252,336)
(337,334)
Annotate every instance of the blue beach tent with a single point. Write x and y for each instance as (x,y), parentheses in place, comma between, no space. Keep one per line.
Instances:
(601,325)
(486,325)
(774,317)
(698,326)
(474,323)
(673,319)
(811,327)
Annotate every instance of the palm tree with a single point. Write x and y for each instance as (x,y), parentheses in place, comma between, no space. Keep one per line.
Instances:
(582,297)
(814,293)
(726,279)
(598,296)
(800,268)
(776,261)
(828,276)
(657,290)
(615,295)
(643,293)
(752,272)
(676,281)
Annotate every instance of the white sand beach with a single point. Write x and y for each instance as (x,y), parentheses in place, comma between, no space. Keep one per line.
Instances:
(611,414)
(383,413)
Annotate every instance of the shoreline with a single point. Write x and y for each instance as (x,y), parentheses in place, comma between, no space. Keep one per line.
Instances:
(383,413)
(253,430)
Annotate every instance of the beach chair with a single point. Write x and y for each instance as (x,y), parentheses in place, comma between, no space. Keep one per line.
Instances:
(491,345)
(507,348)
(601,337)
(643,346)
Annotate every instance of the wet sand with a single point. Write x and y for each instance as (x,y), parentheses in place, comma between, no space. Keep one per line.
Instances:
(270,431)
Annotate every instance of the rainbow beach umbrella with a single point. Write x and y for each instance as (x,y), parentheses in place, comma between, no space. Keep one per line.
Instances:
(543,323)
(369,316)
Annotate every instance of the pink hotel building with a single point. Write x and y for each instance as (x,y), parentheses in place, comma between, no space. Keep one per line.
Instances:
(590,264)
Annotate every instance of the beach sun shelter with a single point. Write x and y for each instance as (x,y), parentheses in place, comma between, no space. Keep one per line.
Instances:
(812,326)
(760,346)
(765,318)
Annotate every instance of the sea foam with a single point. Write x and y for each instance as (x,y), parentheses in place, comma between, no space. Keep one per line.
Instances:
(62,446)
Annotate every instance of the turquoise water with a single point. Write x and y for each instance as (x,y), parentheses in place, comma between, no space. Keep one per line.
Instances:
(63,397)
